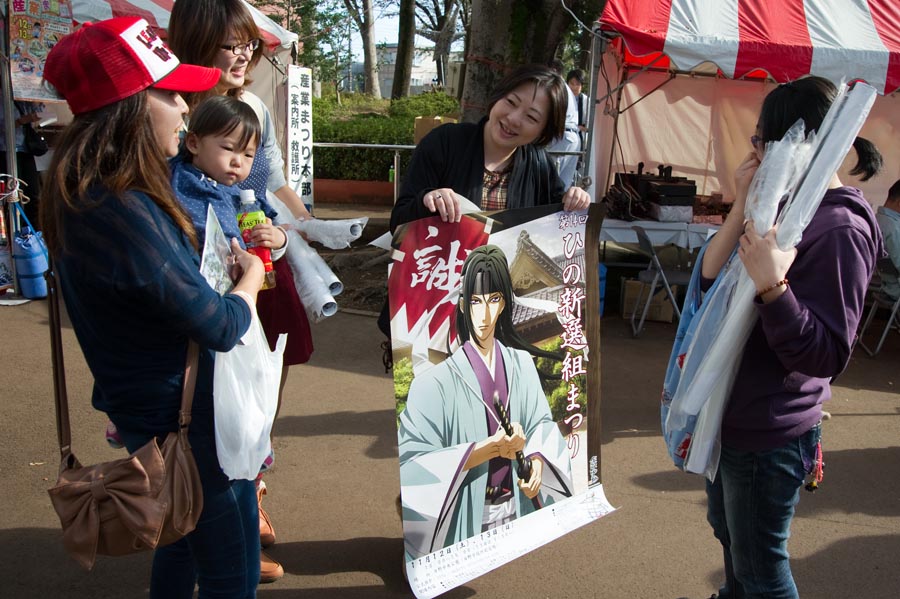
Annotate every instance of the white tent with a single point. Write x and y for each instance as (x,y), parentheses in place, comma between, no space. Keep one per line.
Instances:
(157,12)
(680,105)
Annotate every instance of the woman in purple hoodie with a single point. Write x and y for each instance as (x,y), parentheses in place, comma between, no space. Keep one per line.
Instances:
(809,302)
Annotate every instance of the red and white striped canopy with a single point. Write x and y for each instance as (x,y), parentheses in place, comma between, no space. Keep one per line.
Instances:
(836,39)
(157,12)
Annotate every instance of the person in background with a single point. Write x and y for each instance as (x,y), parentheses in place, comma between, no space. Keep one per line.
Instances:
(569,140)
(889,221)
(808,315)
(126,254)
(26,113)
(222,34)
(575,80)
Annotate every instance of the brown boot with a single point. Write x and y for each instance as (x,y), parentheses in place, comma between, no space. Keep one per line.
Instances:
(266,531)
(269,569)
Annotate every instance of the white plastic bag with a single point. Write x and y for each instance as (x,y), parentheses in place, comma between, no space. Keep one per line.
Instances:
(245,398)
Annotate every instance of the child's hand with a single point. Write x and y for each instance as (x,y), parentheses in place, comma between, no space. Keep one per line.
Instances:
(267,235)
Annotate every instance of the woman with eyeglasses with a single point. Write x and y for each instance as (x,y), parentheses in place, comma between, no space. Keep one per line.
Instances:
(809,301)
(222,34)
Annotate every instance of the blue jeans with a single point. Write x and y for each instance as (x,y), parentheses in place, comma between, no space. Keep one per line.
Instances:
(221,555)
(751,505)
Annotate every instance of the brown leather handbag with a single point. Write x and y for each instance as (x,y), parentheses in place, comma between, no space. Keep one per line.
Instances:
(147,500)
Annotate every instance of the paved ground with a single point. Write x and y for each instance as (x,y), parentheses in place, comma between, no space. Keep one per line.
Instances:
(333,490)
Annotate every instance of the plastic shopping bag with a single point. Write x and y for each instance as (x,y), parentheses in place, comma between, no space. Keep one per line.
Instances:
(245,398)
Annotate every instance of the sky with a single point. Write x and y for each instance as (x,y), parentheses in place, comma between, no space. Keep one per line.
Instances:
(385,32)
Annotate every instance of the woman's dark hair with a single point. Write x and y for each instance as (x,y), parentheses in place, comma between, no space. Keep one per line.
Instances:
(114,147)
(543,78)
(489,262)
(220,115)
(198,28)
(809,98)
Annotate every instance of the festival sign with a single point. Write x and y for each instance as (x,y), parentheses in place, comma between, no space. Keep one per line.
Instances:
(493,360)
(299,133)
(34,28)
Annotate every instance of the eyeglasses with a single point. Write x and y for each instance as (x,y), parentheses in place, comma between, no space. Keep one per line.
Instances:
(238,49)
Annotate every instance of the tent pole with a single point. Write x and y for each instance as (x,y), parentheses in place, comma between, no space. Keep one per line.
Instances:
(587,149)
(615,134)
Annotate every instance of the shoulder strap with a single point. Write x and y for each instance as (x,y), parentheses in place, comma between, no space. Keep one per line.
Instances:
(63,432)
(190,382)
(63,427)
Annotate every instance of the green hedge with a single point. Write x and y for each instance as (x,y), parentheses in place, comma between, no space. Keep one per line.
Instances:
(424,105)
(380,122)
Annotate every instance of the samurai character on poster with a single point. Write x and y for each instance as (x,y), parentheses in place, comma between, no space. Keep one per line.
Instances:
(458,466)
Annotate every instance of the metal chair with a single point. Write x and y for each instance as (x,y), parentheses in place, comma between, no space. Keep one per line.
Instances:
(654,276)
(881,300)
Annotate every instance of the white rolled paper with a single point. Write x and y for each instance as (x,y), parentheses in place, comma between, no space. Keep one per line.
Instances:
(307,265)
(335,287)
(334,234)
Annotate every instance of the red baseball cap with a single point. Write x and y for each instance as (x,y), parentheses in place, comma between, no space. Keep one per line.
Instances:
(108,61)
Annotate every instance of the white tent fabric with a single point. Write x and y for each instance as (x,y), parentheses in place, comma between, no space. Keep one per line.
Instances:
(157,13)
(836,39)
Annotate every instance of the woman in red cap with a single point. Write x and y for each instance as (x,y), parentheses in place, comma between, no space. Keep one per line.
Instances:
(127,256)
(223,34)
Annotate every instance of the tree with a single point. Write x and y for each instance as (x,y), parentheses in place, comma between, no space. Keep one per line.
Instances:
(465,17)
(578,41)
(506,34)
(439,20)
(362,13)
(324,40)
(406,47)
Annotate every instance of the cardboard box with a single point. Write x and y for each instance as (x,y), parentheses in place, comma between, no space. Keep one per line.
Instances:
(424,124)
(660,309)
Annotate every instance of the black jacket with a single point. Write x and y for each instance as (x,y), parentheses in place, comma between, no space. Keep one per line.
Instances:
(452,156)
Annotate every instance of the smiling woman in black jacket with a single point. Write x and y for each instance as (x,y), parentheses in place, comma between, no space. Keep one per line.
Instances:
(497,163)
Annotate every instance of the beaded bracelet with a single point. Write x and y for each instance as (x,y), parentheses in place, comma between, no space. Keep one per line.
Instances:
(781,283)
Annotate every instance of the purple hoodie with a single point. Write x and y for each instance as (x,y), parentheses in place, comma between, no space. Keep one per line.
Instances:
(803,338)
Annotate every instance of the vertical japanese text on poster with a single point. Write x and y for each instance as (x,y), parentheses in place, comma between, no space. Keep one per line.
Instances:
(300,133)
(573,338)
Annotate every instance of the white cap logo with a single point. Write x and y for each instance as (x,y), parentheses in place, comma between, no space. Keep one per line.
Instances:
(150,49)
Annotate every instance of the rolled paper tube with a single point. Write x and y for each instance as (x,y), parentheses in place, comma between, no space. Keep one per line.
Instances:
(334,234)
(312,290)
(335,287)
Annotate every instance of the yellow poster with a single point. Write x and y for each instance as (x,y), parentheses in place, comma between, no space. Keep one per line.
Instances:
(34,28)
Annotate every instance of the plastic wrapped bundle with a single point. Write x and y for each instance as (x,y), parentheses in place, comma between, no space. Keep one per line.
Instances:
(712,356)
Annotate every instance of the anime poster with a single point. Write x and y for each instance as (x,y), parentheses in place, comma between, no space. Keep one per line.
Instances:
(34,28)
(493,361)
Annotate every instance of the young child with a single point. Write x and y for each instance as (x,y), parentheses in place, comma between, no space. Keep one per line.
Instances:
(217,154)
